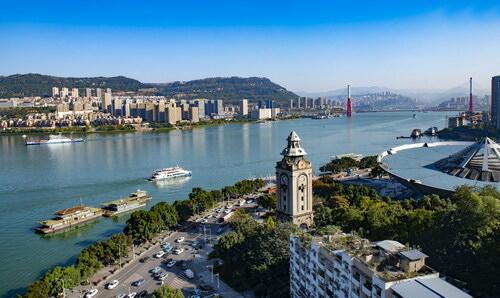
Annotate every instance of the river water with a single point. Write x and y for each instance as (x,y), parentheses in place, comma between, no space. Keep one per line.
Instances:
(35,181)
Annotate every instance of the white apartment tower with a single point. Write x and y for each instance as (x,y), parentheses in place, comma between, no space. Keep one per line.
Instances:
(294,185)
(55,91)
(244,107)
(345,266)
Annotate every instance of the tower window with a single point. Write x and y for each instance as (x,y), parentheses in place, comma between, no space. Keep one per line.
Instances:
(302,207)
(284,198)
(284,207)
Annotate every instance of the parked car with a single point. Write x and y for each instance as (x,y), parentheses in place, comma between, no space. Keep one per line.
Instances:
(179,240)
(229,206)
(195,243)
(203,221)
(180,263)
(205,240)
(122,296)
(91,293)
(171,264)
(138,283)
(112,284)
(204,287)
(160,254)
(219,230)
(142,294)
(178,250)
(218,210)
(168,249)
(132,295)
(166,244)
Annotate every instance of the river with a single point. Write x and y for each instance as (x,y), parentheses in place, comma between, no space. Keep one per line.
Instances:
(35,181)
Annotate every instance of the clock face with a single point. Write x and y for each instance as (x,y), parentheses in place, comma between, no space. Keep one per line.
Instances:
(302,179)
(284,179)
(302,164)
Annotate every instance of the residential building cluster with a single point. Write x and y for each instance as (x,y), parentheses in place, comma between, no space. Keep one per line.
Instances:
(462,103)
(383,101)
(344,265)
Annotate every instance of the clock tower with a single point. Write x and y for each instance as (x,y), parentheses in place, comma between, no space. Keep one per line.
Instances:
(294,185)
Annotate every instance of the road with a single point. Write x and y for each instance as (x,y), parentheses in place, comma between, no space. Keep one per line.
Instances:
(138,269)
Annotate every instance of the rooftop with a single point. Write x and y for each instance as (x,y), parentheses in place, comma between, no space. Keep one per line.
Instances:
(384,258)
(428,287)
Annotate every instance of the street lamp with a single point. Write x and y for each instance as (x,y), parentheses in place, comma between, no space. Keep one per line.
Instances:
(63,290)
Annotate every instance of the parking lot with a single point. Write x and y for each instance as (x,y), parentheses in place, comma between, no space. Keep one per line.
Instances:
(193,241)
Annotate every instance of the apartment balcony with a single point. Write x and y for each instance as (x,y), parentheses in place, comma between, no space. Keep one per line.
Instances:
(329,273)
(355,282)
(367,288)
(321,278)
(321,266)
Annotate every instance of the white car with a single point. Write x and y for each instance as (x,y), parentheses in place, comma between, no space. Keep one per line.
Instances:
(178,250)
(203,221)
(171,263)
(132,295)
(91,293)
(242,202)
(122,296)
(160,254)
(229,206)
(180,240)
(112,284)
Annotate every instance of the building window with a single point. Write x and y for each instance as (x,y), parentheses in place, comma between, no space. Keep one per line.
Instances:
(302,207)
(284,198)
(284,207)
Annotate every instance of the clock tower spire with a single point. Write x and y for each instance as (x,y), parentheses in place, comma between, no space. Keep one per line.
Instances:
(294,185)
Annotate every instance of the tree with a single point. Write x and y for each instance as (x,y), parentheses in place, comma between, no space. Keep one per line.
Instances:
(54,278)
(168,213)
(270,223)
(267,201)
(88,263)
(144,225)
(167,292)
(37,289)
(184,210)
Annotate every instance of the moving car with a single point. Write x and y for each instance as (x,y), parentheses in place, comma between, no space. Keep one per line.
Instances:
(91,293)
(156,269)
(171,264)
(162,276)
(189,273)
(138,283)
(179,240)
(144,260)
(112,284)
(219,230)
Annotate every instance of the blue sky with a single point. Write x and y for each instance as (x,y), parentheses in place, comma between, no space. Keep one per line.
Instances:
(303,45)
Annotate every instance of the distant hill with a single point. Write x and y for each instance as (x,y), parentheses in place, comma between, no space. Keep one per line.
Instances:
(20,85)
(227,89)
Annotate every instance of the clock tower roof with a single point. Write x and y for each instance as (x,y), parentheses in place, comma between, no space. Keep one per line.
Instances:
(293,148)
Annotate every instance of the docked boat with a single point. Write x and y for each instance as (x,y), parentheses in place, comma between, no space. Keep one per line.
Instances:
(416,133)
(354,156)
(137,199)
(431,131)
(169,173)
(69,217)
(54,139)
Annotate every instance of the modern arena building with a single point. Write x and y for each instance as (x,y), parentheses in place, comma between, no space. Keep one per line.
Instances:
(439,167)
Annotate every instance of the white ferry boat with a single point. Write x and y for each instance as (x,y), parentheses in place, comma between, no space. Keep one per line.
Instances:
(169,173)
(354,156)
(54,139)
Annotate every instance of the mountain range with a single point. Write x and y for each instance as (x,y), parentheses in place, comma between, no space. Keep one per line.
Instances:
(227,89)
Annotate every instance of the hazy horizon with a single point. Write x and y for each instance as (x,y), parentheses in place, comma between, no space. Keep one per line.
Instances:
(313,48)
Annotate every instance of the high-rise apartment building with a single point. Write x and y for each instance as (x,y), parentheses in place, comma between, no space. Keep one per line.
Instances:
(98,92)
(244,107)
(495,101)
(106,105)
(344,265)
(64,92)
(270,104)
(74,93)
(88,92)
(108,90)
(55,91)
